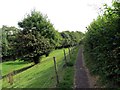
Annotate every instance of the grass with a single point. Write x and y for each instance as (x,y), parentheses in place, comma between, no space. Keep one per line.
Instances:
(10,66)
(41,75)
(68,73)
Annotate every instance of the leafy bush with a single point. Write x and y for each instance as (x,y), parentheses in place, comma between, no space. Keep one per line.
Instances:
(102,45)
(70,64)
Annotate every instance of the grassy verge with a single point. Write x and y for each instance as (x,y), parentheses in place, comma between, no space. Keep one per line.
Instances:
(68,73)
(39,76)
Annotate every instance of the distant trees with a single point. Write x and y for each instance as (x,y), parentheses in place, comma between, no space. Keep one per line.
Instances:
(8,34)
(36,37)
(102,45)
(71,38)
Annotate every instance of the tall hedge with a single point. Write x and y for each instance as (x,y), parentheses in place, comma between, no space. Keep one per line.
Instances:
(102,45)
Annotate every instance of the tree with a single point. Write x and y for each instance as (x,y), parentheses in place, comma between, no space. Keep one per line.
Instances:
(71,38)
(32,45)
(66,39)
(37,38)
(8,34)
(42,24)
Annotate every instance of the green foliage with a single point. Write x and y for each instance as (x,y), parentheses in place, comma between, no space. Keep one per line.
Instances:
(8,35)
(71,38)
(36,38)
(102,45)
(41,24)
(70,64)
(32,45)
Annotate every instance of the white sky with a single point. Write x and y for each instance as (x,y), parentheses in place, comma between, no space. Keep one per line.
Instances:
(64,14)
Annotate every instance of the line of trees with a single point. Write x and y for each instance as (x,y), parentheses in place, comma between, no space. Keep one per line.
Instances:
(102,45)
(36,37)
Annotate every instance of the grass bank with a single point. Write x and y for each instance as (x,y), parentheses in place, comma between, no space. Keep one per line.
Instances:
(41,75)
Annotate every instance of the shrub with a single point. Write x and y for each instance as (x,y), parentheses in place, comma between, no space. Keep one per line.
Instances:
(102,45)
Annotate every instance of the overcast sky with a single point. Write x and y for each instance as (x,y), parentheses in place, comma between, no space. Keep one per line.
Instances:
(64,14)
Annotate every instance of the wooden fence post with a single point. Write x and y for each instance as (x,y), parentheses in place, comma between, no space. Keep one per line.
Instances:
(10,78)
(57,78)
(65,57)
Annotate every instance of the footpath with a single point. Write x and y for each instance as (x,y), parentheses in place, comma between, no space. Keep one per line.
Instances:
(81,79)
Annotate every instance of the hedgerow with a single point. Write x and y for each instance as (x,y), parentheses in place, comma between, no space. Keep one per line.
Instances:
(102,45)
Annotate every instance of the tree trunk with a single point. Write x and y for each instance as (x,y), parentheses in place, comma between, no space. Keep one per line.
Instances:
(36,59)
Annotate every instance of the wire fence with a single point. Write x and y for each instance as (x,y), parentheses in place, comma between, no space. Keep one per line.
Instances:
(57,68)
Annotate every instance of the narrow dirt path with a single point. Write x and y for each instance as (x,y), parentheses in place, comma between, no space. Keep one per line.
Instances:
(81,76)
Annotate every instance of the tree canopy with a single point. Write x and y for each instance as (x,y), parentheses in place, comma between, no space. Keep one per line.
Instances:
(71,38)
(40,23)
(8,34)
